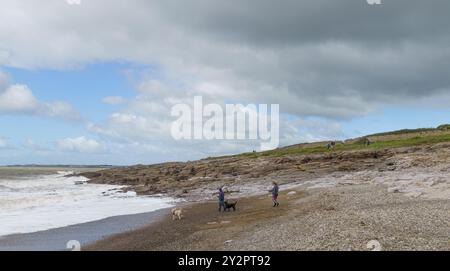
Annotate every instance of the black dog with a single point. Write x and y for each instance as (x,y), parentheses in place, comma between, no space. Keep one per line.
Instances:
(229,206)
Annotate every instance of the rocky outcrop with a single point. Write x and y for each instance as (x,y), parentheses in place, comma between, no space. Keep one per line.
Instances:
(180,178)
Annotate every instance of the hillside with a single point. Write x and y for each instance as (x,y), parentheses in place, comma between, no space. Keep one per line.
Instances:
(292,164)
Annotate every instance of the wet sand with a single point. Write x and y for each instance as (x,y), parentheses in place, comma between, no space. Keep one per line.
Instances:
(198,218)
(86,233)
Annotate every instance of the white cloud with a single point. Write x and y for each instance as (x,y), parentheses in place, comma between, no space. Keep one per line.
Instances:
(81,145)
(59,109)
(113,100)
(132,128)
(19,99)
(146,121)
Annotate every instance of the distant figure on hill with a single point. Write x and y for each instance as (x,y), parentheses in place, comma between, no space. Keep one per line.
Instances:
(274,192)
(221,196)
(331,145)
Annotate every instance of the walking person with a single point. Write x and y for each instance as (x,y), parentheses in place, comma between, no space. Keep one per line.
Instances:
(275,189)
(221,197)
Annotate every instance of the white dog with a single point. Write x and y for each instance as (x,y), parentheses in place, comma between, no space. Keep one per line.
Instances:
(177,213)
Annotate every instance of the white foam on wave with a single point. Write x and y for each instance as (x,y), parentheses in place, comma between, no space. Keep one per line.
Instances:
(52,201)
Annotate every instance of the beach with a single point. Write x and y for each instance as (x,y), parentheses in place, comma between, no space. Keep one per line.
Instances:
(396,198)
(345,219)
(85,233)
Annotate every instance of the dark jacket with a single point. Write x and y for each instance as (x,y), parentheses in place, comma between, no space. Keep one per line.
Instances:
(221,195)
(274,190)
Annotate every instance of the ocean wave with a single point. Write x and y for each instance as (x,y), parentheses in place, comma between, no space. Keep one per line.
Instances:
(52,201)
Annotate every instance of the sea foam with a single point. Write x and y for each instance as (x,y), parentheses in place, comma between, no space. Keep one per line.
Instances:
(45,202)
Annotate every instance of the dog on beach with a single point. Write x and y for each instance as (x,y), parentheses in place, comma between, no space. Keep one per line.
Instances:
(177,213)
(229,206)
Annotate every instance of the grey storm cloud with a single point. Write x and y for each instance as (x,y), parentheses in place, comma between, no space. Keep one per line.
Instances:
(335,59)
(290,22)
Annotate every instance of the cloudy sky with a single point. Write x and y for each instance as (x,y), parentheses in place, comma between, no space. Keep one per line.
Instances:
(94,83)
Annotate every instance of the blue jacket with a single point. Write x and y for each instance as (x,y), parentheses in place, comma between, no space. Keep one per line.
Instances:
(221,195)
(275,190)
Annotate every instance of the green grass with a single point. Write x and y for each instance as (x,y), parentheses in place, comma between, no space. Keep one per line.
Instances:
(442,127)
(408,142)
(423,139)
(404,131)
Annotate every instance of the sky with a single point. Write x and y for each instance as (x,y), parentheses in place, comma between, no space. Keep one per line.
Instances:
(94,82)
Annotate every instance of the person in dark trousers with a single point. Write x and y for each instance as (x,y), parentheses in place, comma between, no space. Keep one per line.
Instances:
(274,192)
(221,197)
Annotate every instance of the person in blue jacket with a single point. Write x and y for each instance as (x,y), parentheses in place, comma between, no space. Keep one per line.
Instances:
(221,197)
(274,192)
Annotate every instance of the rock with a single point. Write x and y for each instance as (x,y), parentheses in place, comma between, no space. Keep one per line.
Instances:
(228,241)
(391,168)
(91,175)
(145,189)
(291,193)
(211,223)
(283,160)
(225,222)
(394,190)
(414,194)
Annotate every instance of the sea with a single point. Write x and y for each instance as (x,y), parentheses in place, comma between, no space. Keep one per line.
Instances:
(39,199)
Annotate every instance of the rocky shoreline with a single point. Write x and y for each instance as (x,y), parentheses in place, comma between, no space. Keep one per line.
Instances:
(194,181)
(331,201)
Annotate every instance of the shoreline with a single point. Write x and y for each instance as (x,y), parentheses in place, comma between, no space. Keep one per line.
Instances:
(70,211)
(327,218)
(341,218)
(86,233)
